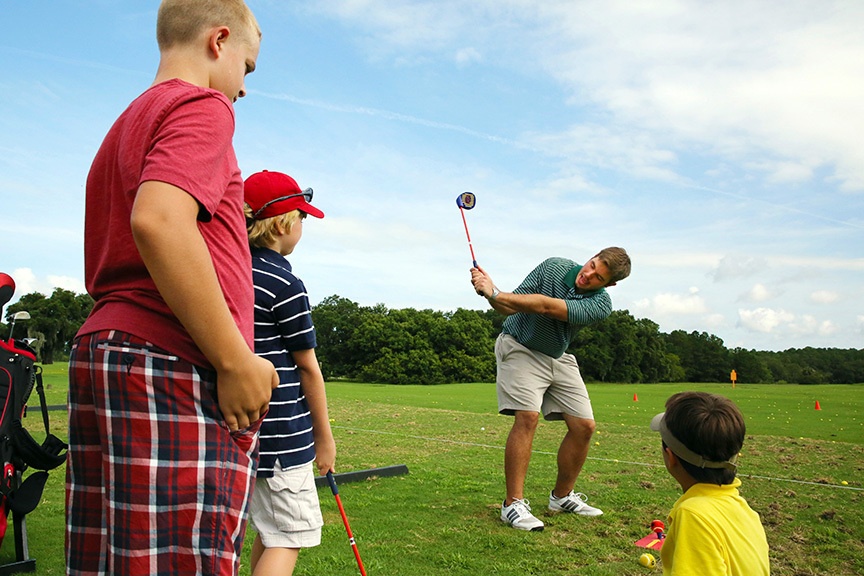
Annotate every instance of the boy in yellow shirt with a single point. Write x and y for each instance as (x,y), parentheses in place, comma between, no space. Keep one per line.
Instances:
(712,531)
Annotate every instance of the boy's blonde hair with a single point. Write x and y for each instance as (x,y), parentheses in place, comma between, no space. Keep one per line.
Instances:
(181,21)
(262,233)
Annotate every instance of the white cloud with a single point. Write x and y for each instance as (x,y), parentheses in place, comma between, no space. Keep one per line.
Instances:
(781,322)
(67,283)
(780,85)
(731,267)
(668,304)
(824,296)
(635,153)
(469,55)
(763,320)
(26,282)
(809,325)
(758,293)
(782,172)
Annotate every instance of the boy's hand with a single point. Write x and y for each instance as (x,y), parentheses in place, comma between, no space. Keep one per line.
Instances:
(244,394)
(325,453)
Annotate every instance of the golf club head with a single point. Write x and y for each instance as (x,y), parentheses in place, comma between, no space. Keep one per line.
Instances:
(466,200)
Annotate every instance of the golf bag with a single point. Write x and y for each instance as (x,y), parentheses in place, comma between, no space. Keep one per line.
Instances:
(19,374)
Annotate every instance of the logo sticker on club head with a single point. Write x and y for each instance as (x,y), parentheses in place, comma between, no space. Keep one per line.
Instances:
(466,200)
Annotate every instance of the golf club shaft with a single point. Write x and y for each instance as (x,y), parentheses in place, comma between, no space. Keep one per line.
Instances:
(470,246)
(335,490)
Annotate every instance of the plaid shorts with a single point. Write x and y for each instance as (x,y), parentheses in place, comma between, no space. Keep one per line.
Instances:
(155,482)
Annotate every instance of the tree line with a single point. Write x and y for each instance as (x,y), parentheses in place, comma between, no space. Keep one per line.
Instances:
(408,346)
(374,344)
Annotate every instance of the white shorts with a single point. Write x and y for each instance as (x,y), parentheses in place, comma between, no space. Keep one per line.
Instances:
(528,380)
(284,509)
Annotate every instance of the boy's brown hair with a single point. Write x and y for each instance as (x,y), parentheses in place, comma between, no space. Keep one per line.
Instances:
(181,21)
(709,425)
(618,262)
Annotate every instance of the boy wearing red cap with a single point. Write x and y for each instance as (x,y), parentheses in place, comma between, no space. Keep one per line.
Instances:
(711,528)
(165,391)
(296,431)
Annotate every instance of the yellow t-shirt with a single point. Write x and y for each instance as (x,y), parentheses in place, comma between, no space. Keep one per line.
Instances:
(712,531)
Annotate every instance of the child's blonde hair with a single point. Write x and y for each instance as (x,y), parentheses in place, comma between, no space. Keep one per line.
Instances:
(181,21)
(262,233)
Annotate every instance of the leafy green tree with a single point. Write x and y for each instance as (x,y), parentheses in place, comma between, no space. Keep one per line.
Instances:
(335,320)
(656,364)
(57,318)
(403,346)
(624,349)
(749,366)
(703,356)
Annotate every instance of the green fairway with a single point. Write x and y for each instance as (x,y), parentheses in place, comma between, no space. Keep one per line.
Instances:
(801,470)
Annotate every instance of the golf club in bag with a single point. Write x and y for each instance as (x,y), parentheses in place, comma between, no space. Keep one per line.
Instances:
(467,201)
(335,490)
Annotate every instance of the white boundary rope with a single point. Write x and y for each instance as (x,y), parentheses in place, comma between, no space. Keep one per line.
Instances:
(614,460)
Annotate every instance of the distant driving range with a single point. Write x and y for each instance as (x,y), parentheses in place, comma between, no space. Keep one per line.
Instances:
(802,470)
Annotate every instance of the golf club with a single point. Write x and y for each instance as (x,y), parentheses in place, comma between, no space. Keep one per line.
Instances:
(467,201)
(22,315)
(335,490)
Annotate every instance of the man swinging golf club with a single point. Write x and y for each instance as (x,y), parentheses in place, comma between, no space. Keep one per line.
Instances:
(535,373)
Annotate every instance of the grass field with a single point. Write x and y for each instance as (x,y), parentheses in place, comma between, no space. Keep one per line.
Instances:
(801,470)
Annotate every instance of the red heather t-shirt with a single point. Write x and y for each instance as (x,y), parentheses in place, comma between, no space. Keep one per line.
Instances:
(181,134)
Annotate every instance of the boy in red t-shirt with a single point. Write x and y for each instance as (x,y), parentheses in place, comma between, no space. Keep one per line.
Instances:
(165,393)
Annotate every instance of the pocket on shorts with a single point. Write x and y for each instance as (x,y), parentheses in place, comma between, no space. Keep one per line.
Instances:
(295,500)
(129,351)
(504,345)
(246,438)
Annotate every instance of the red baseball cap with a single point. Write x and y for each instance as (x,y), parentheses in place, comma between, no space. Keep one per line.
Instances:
(270,194)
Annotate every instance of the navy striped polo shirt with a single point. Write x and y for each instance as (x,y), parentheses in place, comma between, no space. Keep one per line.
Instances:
(283,322)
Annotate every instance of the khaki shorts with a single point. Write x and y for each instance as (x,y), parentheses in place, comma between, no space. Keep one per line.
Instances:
(284,509)
(532,381)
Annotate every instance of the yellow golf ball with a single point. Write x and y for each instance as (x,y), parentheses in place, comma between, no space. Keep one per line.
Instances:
(844,483)
(647,560)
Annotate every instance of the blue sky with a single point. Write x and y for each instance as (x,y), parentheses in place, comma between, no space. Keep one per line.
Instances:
(719,143)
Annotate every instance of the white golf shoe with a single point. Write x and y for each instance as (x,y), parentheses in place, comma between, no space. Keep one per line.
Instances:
(518,515)
(574,502)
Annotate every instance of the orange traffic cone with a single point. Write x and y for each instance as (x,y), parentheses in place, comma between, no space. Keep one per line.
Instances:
(817,407)
(635,398)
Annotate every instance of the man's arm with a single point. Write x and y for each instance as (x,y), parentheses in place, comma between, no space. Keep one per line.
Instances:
(509,303)
(164,225)
(312,384)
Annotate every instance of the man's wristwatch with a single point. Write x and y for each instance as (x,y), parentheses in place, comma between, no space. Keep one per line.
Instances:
(495,293)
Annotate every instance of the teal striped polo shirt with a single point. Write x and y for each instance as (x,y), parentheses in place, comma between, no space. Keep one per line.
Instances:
(556,277)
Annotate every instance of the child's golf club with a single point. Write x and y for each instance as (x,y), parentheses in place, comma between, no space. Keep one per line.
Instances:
(466,201)
(335,490)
